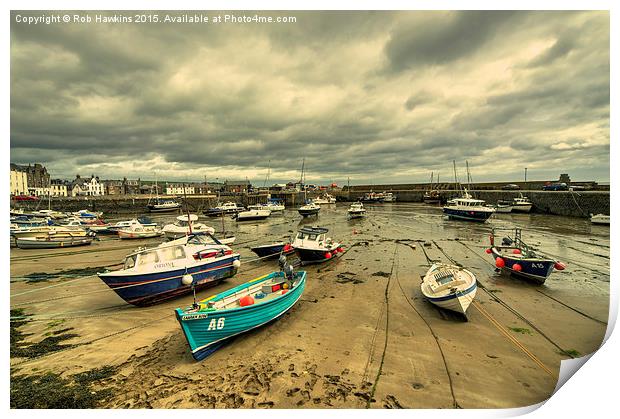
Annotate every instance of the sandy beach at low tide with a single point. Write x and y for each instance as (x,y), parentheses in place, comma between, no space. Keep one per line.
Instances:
(362,334)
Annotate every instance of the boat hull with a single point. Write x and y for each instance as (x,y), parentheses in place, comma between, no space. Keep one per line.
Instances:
(271,251)
(308,256)
(151,288)
(522,208)
(458,302)
(357,214)
(535,270)
(30,243)
(138,235)
(308,212)
(157,208)
(467,215)
(206,332)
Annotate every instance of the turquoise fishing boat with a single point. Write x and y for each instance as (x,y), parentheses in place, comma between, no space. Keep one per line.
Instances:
(210,323)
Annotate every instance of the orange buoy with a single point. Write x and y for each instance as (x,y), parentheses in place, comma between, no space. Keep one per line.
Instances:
(559,266)
(516,251)
(247,300)
(499,262)
(516,267)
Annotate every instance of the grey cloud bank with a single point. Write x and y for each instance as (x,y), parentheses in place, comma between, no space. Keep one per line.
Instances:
(375,96)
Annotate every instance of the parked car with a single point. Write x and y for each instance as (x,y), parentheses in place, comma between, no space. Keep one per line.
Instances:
(556,187)
(26,198)
(511,187)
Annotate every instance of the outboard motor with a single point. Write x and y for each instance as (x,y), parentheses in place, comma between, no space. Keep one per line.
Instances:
(506,241)
(288,270)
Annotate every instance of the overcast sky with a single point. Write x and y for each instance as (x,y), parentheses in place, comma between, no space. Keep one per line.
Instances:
(380,97)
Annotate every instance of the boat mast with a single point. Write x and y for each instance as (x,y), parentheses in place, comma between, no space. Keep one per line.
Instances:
(456,188)
(267,175)
(189,221)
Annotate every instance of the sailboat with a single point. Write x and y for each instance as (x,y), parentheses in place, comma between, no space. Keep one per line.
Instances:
(432,195)
(162,205)
(309,208)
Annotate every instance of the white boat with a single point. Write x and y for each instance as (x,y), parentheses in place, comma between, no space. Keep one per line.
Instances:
(87,214)
(449,286)
(326,199)
(164,205)
(48,231)
(153,275)
(501,208)
(139,232)
(357,210)
(200,238)
(126,224)
(519,204)
(468,209)
(49,213)
(600,219)
(313,246)
(183,227)
(309,209)
(226,208)
(52,242)
(253,215)
(388,197)
(271,206)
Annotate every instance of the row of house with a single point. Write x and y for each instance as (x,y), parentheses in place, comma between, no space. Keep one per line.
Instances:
(35,180)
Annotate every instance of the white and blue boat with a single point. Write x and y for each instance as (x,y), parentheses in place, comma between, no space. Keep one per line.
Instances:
(212,322)
(468,209)
(450,287)
(153,275)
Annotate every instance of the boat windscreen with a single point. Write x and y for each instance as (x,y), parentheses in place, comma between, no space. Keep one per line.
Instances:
(148,258)
(171,253)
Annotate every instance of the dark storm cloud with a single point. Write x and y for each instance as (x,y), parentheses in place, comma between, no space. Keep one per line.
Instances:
(444,38)
(378,96)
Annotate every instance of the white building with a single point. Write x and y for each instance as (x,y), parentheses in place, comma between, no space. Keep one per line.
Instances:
(87,187)
(19,183)
(174,189)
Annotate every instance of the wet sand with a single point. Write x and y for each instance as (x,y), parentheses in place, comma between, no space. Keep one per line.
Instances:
(361,336)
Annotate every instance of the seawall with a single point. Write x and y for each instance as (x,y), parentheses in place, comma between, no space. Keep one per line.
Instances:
(573,204)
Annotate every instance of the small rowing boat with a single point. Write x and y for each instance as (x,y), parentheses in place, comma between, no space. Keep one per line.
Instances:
(208,325)
(449,286)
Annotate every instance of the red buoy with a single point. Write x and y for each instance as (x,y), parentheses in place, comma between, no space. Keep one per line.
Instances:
(247,300)
(516,267)
(516,251)
(328,255)
(499,262)
(559,266)
(340,250)
(489,251)
(287,247)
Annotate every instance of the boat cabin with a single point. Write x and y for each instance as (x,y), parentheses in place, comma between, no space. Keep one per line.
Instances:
(145,259)
(313,236)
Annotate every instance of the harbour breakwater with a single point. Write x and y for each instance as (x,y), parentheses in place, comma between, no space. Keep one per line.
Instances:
(567,203)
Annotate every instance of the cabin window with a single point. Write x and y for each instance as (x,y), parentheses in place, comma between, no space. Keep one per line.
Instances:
(172,253)
(312,237)
(147,258)
(301,236)
(130,262)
